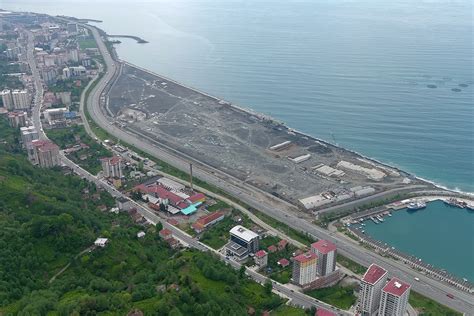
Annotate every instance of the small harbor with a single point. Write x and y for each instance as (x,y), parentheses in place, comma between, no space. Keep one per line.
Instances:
(417,230)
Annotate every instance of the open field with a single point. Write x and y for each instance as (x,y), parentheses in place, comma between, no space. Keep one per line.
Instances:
(238,142)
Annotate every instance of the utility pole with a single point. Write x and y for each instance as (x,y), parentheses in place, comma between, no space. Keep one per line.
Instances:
(191,176)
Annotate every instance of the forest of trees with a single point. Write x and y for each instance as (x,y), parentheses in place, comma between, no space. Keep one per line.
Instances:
(48,218)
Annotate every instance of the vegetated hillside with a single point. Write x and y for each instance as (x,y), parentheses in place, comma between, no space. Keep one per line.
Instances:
(48,218)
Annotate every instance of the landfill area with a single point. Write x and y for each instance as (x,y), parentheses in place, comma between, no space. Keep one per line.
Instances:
(250,146)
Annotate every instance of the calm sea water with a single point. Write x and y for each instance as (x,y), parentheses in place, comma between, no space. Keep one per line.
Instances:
(373,76)
(440,235)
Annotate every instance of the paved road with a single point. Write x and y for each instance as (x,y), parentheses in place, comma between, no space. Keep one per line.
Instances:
(434,289)
(297,298)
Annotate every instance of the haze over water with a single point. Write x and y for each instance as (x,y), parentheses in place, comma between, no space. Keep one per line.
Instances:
(372,76)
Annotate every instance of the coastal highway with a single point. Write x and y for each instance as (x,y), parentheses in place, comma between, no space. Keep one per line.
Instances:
(463,302)
(297,298)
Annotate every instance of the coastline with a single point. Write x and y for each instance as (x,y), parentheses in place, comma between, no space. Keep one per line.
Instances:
(376,219)
(250,111)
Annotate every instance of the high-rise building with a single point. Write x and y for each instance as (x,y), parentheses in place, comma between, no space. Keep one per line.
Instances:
(305,268)
(371,289)
(46,153)
(20,99)
(74,55)
(72,28)
(49,75)
(17,119)
(7,99)
(28,134)
(112,167)
(394,298)
(326,252)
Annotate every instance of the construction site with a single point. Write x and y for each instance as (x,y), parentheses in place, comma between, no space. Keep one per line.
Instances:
(252,147)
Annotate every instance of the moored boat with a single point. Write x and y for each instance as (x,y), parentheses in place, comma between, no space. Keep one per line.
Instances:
(413,206)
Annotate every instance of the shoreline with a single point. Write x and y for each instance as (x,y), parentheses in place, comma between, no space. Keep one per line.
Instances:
(250,111)
(356,227)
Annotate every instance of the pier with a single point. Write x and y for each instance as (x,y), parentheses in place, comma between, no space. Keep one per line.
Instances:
(136,38)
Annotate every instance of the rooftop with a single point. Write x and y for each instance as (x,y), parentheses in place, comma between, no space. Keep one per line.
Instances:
(206,219)
(305,257)
(283,262)
(161,192)
(260,253)
(374,274)
(243,233)
(324,312)
(112,160)
(324,246)
(165,232)
(396,287)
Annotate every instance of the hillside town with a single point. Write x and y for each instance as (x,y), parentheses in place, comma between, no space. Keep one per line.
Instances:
(68,60)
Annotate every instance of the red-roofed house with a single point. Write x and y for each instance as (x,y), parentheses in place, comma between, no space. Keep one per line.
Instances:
(166,197)
(283,262)
(172,221)
(394,298)
(323,312)
(261,258)
(371,289)
(207,220)
(304,268)
(172,242)
(326,252)
(165,233)
(199,197)
(282,244)
(272,249)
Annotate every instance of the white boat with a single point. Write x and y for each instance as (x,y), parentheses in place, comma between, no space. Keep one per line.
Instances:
(413,206)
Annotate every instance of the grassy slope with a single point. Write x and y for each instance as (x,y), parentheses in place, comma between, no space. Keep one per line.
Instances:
(46,221)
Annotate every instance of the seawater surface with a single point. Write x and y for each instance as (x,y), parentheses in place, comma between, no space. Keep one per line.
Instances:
(392,80)
(439,234)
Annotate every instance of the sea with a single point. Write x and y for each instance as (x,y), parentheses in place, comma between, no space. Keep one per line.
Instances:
(392,80)
(428,234)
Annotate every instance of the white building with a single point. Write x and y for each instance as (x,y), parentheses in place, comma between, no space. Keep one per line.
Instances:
(394,299)
(20,99)
(28,134)
(326,252)
(371,289)
(74,55)
(112,167)
(65,97)
(101,242)
(242,242)
(7,99)
(171,184)
(305,268)
(54,115)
